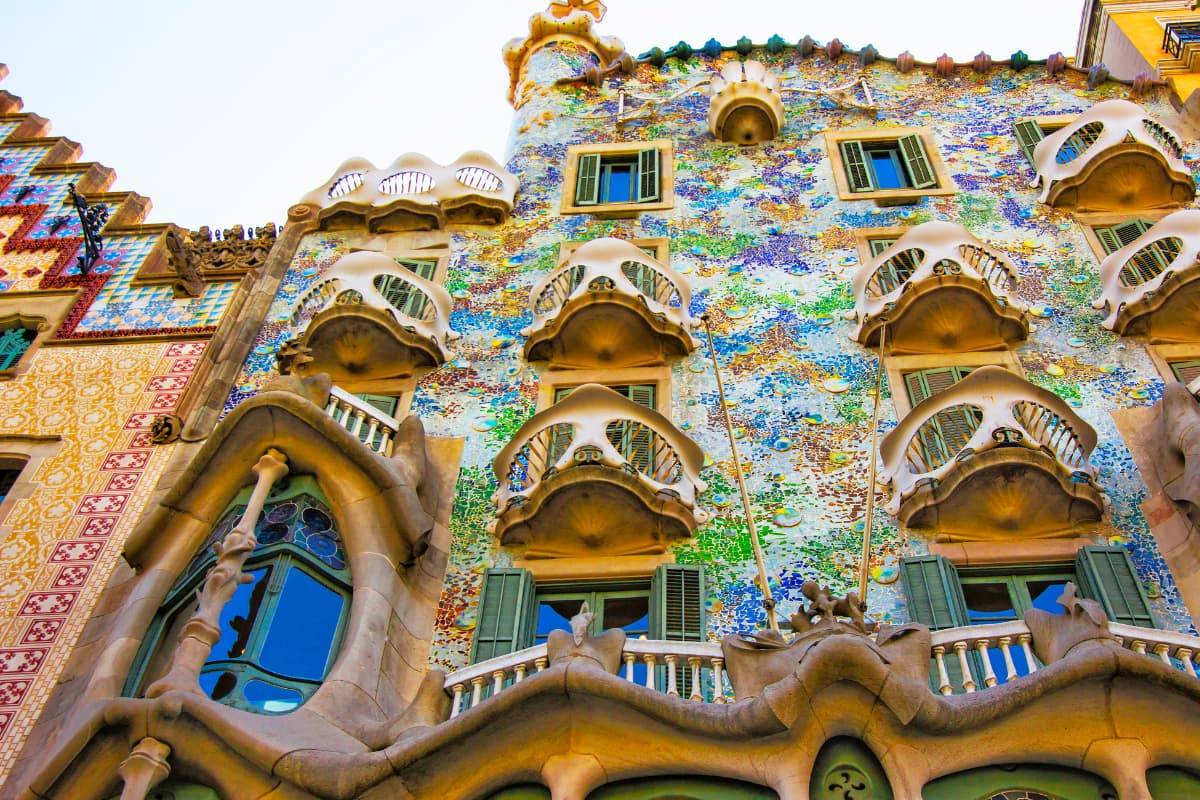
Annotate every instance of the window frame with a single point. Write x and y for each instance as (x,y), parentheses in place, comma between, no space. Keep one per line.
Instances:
(1163,356)
(943,183)
(1089,221)
(660,377)
(1049,123)
(1016,578)
(863,238)
(666,178)
(898,367)
(591,591)
(661,246)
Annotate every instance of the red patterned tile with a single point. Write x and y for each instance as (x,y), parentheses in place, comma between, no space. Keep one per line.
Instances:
(42,631)
(185,365)
(166,383)
(72,576)
(140,419)
(12,692)
(98,526)
(122,481)
(37,603)
(142,439)
(125,460)
(165,401)
(22,660)
(75,550)
(102,504)
(185,349)
(5,718)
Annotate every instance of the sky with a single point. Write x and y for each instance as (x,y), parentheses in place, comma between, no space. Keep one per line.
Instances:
(228,112)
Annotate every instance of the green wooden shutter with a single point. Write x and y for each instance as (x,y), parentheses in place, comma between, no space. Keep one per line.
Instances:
(643,394)
(1106,574)
(677,603)
(1186,371)
(933,592)
(648,188)
(504,620)
(1028,133)
(925,383)
(1114,237)
(879,245)
(854,158)
(1109,240)
(912,150)
(587,180)
(383,402)
(425,269)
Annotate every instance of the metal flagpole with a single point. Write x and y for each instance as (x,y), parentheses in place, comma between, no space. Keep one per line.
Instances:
(768,600)
(865,569)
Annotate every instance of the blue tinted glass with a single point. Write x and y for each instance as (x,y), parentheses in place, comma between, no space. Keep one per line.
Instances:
(1045,594)
(617,183)
(555,615)
(270,698)
(217,684)
(1020,663)
(988,602)
(239,615)
(631,614)
(302,630)
(887,170)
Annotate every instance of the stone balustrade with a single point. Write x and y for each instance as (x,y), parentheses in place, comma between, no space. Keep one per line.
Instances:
(374,428)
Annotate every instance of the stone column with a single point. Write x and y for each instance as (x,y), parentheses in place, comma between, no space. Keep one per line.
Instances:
(145,767)
(203,630)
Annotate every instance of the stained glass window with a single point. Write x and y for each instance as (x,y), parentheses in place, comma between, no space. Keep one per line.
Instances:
(280,630)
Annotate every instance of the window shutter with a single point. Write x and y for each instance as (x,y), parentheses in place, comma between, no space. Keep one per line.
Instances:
(504,619)
(425,269)
(933,592)
(925,383)
(677,603)
(1028,133)
(912,149)
(1186,371)
(648,189)
(1109,239)
(857,171)
(879,245)
(587,180)
(1106,574)
(383,402)
(642,394)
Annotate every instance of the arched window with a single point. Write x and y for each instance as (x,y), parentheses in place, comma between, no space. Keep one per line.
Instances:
(670,788)
(1021,782)
(280,631)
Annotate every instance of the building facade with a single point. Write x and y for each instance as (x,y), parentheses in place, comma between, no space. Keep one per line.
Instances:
(777,420)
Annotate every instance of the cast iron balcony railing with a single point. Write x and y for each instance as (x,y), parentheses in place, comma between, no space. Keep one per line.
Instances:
(1178,34)
(369,317)
(1113,157)
(597,473)
(939,289)
(610,305)
(1151,286)
(992,456)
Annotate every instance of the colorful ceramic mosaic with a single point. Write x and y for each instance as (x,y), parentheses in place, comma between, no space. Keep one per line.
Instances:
(769,250)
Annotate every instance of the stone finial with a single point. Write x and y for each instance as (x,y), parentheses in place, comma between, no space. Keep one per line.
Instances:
(806,46)
(744,46)
(834,49)
(1097,75)
(1018,60)
(1056,63)
(824,610)
(181,256)
(982,62)
(868,55)
(604,649)
(1142,83)
(944,65)
(905,62)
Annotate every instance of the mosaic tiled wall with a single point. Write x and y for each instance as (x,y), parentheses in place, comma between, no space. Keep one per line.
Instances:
(88,406)
(769,250)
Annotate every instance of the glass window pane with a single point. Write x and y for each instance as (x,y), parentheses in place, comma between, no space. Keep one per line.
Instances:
(1045,592)
(270,698)
(217,684)
(239,616)
(887,170)
(302,630)
(555,614)
(988,602)
(629,613)
(617,183)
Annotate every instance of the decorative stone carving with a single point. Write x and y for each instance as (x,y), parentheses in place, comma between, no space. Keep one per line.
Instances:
(414,193)
(353,332)
(1179,417)
(182,258)
(1151,286)
(562,22)
(939,290)
(991,457)
(566,490)
(144,768)
(166,428)
(1056,635)
(746,108)
(203,629)
(589,312)
(604,650)
(201,255)
(293,358)
(1113,157)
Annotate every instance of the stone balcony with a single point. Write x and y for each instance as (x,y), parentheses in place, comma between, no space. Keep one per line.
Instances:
(1113,157)
(746,108)
(610,305)
(370,318)
(414,194)
(1151,286)
(939,290)
(992,457)
(597,474)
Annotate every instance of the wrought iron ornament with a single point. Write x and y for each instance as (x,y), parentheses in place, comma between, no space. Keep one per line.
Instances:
(91,221)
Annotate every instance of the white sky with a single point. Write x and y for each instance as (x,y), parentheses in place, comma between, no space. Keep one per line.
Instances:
(225,112)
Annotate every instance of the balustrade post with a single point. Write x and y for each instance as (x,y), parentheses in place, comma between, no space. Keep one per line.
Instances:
(519,673)
(1184,654)
(694,663)
(1006,649)
(497,682)
(718,667)
(968,681)
(541,663)
(359,417)
(939,657)
(456,702)
(989,675)
(1138,646)
(671,687)
(203,629)
(1163,652)
(371,431)
(476,690)
(630,660)
(1026,640)
(649,659)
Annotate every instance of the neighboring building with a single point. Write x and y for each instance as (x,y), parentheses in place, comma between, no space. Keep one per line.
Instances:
(455,403)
